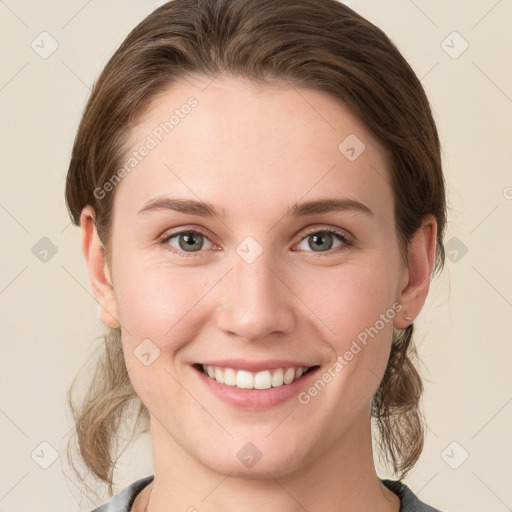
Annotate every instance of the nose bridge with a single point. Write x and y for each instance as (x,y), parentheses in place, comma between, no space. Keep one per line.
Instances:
(254,302)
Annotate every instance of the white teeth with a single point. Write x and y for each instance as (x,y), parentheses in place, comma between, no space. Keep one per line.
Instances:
(219,375)
(229,376)
(265,379)
(289,376)
(277,378)
(244,380)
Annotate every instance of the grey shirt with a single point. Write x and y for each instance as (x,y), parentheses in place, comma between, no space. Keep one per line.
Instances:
(123,500)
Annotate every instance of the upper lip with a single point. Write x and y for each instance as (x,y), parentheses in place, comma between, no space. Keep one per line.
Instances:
(255,366)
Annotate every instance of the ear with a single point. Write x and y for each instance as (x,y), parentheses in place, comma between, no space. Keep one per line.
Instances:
(99,274)
(416,280)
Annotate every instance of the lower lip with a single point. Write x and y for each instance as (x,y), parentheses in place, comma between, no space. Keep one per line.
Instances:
(256,399)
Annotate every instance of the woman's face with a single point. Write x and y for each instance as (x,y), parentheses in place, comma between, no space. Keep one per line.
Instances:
(254,281)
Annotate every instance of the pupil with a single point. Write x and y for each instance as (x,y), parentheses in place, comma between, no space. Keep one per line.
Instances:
(320,238)
(190,241)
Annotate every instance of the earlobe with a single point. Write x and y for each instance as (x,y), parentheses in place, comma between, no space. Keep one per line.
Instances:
(420,264)
(99,274)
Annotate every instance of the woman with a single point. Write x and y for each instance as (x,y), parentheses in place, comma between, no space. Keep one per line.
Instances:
(262,207)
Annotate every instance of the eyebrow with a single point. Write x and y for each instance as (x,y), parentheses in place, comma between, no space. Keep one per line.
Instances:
(203,209)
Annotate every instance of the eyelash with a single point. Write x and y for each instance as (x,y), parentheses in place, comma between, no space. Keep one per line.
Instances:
(346,241)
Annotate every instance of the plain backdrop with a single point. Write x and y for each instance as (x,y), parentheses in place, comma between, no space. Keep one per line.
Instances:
(460,49)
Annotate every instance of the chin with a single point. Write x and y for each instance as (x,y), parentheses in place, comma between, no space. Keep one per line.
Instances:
(250,463)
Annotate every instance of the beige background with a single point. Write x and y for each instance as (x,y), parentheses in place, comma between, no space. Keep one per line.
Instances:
(49,318)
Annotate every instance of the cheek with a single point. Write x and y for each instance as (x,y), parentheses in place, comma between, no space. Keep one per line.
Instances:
(351,298)
(155,301)
(158,309)
(356,307)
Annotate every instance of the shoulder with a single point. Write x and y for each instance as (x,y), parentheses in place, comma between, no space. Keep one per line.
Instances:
(410,502)
(123,500)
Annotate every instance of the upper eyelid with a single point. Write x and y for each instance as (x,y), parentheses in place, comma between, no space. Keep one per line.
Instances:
(308,231)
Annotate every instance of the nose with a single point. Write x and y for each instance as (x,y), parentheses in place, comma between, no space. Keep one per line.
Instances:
(256,300)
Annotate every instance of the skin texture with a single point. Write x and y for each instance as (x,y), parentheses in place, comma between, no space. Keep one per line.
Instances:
(255,150)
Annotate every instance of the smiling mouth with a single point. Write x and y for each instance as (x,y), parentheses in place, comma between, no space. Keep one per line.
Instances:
(262,380)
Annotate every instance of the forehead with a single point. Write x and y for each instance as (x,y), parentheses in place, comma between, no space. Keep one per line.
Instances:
(231,141)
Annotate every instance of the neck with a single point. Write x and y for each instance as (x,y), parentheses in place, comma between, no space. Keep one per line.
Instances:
(340,478)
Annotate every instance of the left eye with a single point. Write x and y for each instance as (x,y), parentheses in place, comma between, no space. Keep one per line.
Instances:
(324,240)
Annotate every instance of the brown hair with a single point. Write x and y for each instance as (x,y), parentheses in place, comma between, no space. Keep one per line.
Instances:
(320,44)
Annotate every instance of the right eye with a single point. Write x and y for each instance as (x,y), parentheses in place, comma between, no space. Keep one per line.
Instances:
(184,241)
